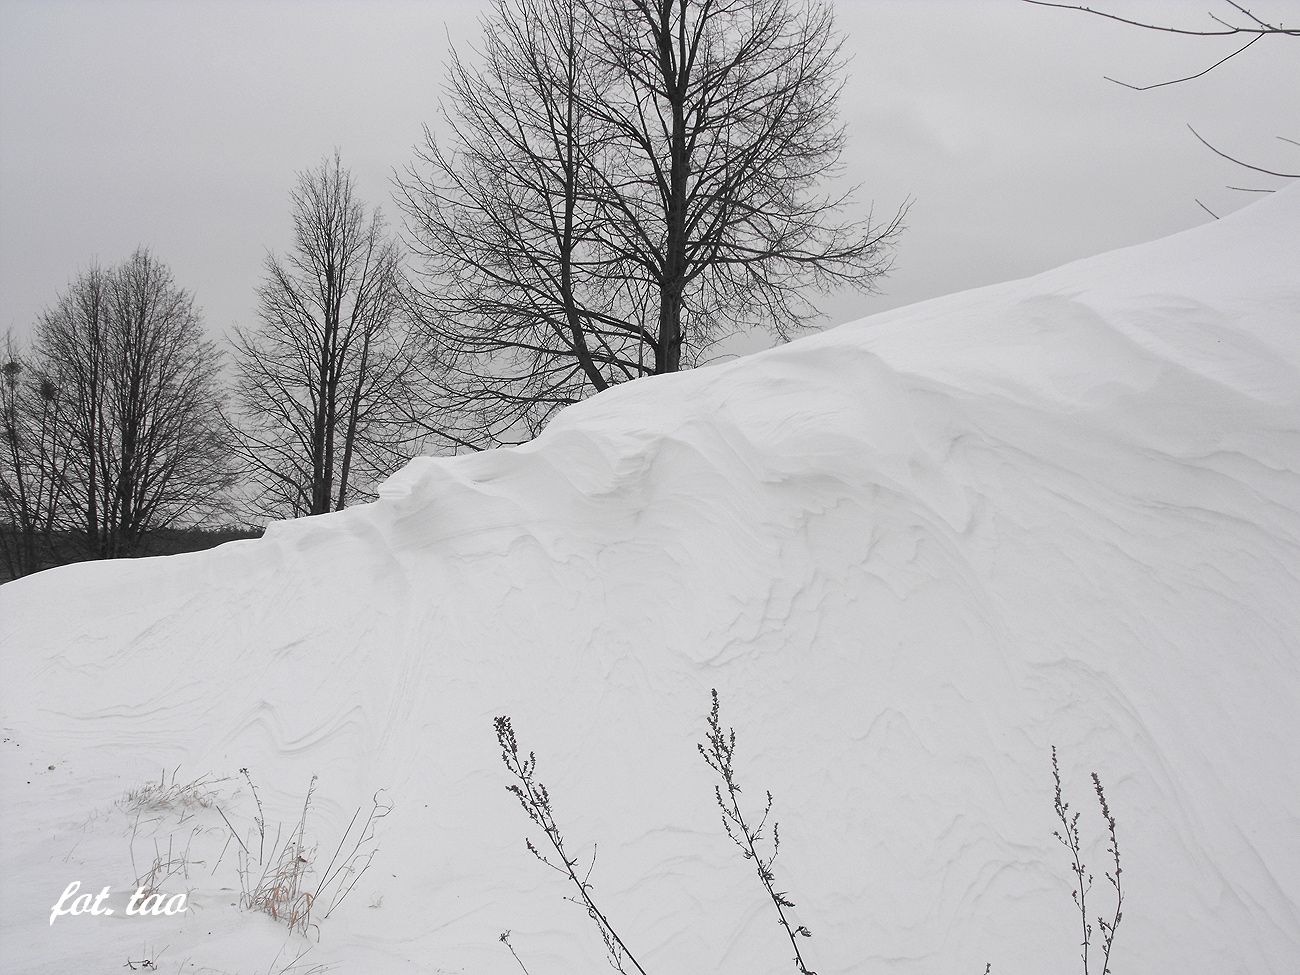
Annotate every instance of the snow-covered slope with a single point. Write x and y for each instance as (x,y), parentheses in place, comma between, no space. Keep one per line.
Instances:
(911,554)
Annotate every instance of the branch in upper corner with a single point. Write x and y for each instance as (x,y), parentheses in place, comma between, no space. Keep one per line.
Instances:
(1256,26)
(1249,25)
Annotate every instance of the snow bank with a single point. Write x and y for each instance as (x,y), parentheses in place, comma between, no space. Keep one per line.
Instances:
(911,554)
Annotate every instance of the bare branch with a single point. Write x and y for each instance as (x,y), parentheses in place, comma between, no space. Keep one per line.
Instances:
(1190,77)
(1219,152)
(1256,27)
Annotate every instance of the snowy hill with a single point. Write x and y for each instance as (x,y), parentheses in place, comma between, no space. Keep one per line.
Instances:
(911,554)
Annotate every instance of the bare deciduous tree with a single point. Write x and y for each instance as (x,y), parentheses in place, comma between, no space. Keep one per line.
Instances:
(136,389)
(622,184)
(33,464)
(517,291)
(322,386)
(723,114)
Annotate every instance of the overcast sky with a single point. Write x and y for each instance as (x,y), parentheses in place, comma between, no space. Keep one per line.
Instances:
(180,125)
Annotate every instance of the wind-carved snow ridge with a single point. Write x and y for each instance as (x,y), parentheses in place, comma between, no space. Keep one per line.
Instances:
(911,554)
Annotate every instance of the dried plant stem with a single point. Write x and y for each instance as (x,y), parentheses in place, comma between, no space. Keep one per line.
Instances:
(1108,928)
(536,801)
(719,754)
(505,939)
(1068,836)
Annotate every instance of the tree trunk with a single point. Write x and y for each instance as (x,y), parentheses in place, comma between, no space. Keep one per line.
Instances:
(672,284)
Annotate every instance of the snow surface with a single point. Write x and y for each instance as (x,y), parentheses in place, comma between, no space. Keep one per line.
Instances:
(911,554)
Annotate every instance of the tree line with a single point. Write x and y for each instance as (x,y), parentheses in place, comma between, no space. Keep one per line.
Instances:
(620,184)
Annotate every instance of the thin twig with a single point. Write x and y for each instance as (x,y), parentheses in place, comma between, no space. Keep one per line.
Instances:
(1190,77)
(1219,152)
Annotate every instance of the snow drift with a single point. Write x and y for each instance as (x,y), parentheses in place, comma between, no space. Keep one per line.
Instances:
(911,554)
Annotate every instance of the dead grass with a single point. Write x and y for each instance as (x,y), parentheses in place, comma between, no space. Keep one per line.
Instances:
(279,883)
(169,795)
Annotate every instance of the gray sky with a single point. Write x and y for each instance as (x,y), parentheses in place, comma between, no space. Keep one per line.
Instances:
(180,125)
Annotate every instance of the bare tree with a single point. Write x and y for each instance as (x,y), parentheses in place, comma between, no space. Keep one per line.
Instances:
(623,184)
(136,389)
(723,117)
(322,387)
(33,464)
(517,290)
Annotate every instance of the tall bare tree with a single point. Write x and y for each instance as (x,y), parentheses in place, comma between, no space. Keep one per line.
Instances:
(322,386)
(135,385)
(724,114)
(519,294)
(623,183)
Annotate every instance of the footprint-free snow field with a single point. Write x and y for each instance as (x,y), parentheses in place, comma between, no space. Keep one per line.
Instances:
(911,554)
